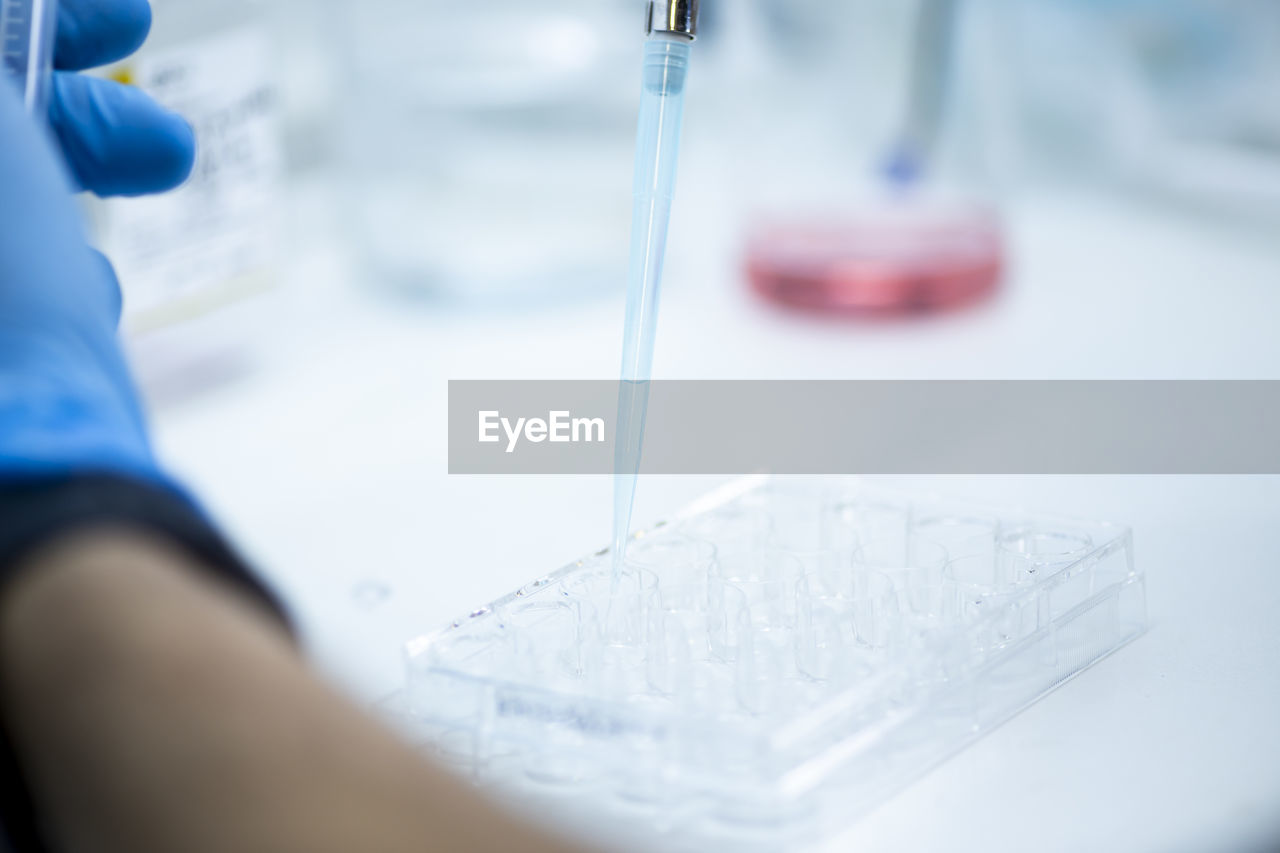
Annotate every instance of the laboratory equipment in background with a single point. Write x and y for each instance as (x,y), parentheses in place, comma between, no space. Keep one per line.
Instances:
(193,263)
(670,28)
(27,30)
(1174,99)
(769,666)
(892,258)
(904,236)
(487,147)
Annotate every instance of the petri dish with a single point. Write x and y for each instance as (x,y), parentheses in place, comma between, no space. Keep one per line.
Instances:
(892,258)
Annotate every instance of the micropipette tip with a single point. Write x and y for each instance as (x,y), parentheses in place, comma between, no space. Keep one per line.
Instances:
(666,58)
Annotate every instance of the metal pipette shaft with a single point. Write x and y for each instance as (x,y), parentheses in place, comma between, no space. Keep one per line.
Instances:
(666,60)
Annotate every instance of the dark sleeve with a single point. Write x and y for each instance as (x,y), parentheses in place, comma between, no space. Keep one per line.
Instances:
(34,512)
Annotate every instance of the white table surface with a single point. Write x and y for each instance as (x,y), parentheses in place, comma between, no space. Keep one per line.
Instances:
(327,461)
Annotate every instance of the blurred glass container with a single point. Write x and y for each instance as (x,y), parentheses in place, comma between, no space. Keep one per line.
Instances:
(191,261)
(488,146)
(808,92)
(1174,97)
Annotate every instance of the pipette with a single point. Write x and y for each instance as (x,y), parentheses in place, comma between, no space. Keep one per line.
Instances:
(27,28)
(671,26)
(931,57)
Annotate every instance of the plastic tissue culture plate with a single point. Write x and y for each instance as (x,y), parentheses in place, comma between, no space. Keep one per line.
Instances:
(772,665)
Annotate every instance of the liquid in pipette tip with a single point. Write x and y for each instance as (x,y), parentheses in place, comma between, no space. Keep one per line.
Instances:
(666,62)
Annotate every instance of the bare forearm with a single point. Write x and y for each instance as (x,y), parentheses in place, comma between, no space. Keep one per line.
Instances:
(154,709)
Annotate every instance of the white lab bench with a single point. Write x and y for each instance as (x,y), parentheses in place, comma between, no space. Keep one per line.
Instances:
(328,462)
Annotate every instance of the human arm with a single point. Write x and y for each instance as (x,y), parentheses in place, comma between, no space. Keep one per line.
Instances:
(156,708)
(147,684)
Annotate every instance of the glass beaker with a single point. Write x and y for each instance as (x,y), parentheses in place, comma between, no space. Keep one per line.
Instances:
(488,146)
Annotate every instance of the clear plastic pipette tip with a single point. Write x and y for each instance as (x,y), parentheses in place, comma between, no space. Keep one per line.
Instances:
(657,144)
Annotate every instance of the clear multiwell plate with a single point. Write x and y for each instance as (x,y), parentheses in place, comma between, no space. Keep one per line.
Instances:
(772,663)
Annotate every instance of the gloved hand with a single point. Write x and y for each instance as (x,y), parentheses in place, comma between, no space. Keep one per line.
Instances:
(67,403)
(116,140)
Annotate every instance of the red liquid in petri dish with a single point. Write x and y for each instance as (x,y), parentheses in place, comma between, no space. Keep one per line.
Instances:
(898,259)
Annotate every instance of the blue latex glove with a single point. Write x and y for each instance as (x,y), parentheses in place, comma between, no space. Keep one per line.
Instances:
(117,141)
(67,403)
